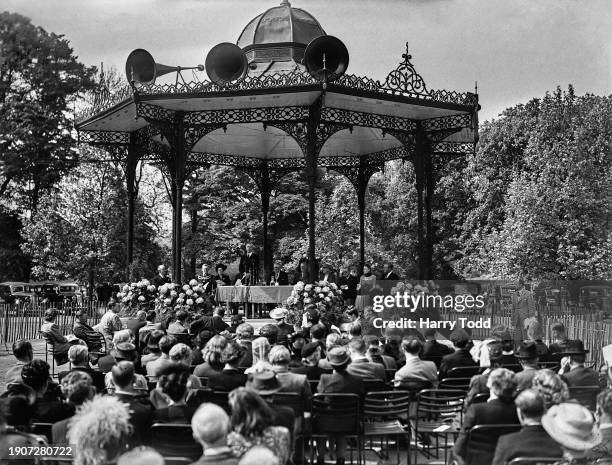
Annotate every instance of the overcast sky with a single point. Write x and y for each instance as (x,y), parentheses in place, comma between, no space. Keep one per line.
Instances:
(515,49)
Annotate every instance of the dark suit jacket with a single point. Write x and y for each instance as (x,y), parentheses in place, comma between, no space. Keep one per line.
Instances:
(160,281)
(86,333)
(222,459)
(341,383)
(434,351)
(106,363)
(180,414)
(508,360)
(134,326)
(247,358)
(96,376)
(218,325)
(493,412)
(141,417)
(227,380)
(365,369)
(459,358)
(311,372)
(581,376)
(530,441)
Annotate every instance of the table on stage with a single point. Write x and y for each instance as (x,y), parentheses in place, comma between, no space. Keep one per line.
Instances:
(253,295)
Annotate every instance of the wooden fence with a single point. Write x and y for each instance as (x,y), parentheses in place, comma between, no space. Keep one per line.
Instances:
(19,322)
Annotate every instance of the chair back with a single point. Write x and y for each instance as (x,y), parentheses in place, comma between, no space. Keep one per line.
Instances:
(533,461)
(390,373)
(175,440)
(480,398)
(482,441)
(96,338)
(336,414)
(289,399)
(43,429)
(455,383)
(386,405)
(436,404)
(464,372)
(199,396)
(548,365)
(585,395)
(373,385)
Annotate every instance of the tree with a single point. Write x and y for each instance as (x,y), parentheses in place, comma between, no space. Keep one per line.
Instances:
(40,78)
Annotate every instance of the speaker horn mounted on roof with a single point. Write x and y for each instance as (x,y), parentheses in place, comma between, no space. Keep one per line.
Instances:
(326,58)
(141,67)
(226,62)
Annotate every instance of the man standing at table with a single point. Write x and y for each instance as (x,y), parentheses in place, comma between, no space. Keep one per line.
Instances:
(252,264)
(279,276)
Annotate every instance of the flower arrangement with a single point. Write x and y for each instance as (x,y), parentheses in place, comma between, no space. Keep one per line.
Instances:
(136,296)
(190,296)
(326,296)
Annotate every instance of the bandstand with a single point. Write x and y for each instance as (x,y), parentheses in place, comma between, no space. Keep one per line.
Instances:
(280,115)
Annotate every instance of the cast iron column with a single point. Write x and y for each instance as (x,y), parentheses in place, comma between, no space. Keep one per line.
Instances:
(419,170)
(362,185)
(264,190)
(179,181)
(314,117)
(430,184)
(132,192)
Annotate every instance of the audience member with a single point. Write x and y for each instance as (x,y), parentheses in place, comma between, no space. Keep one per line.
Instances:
(290,382)
(79,358)
(110,323)
(10,437)
(48,405)
(528,358)
(260,349)
(478,383)
(23,352)
(416,373)
(230,377)
(574,428)
(218,325)
(461,357)
(181,353)
(508,358)
(134,325)
(179,326)
(86,333)
(270,332)
(499,409)
(603,413)
(375,355)
(332,340)
(141,456)
(125,352)
(152,346)
(106,363)
(284,329)
(211,425)
(99,430)
(150,325)
(173,383)
(551,387)
(432,349)
(360,366)
(535,333)
(200,342)
(253,424)
(532,440)
(355,330)
(77,387)
(156,366)
(258,455)
(211,354)
(54,337)
(309,366)
(318,333)
(573,371)
(244,337)
(559,340)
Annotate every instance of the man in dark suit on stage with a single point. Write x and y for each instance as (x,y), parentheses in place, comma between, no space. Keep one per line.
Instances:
(279,275)
(252,264)
(498,410)
(388,273)
(532,440)
(161,277)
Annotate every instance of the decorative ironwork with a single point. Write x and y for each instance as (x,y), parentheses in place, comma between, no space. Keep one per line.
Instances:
(154,113)
(108,138)
(370,120)
(246,115)
(103,100)
(460,148)
(457,122)
(405,80)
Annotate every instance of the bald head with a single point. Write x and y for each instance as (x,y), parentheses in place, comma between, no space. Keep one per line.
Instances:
(530,405)
(210,425)
(258,455)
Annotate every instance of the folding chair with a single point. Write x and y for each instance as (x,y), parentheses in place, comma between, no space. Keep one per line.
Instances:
(532,461)
(482,441)
(296,403)
(336,415)
(455,383)
(373,385)
(585,395)
(175,440)
(385,414)
(480,398)
(465,372)
(96,339)
(203,380)
(439,413)
(199,396)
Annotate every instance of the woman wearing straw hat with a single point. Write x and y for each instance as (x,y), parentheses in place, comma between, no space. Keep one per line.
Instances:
(574,428)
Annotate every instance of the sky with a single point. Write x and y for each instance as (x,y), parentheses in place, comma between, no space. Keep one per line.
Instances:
(514,49)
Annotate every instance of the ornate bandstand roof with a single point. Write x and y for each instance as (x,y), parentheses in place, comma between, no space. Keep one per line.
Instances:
(263,116)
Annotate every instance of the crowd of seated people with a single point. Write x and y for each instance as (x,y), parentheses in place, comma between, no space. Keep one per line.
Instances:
(226,388)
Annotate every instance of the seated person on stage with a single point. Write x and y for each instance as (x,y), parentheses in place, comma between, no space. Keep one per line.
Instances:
(230,377)
(573,371)
(156,366)
(532,440)
(416,373)
(461,357)
(284,329)
(161,277)
(360,366)
(478,383)
(152,346)
(125,352)
(211,425)
(327,274)
(173,383)
(180,325)
(23,352)
(311,354)
(77,388)
(302,274)
(498,410)
(220,277)
(211,354)
(528,358)
(86,333)
(279,276)
(432,349)
(79,358)
(48,404)
(207,280)
(53,335)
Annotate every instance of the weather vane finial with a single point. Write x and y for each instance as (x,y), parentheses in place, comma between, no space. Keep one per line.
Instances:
(285,3)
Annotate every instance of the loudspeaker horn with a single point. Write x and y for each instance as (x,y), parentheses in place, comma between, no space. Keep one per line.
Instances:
(141,67)
(326,58)
(226,62)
